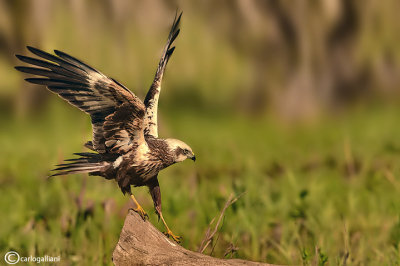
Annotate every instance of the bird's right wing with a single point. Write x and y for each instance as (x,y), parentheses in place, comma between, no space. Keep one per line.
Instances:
(151,100)
(117,114)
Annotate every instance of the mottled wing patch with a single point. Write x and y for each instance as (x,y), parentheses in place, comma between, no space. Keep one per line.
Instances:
(123,130)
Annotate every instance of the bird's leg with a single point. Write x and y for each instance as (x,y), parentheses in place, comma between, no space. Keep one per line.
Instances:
(169,232)
(155,192)
(139,208)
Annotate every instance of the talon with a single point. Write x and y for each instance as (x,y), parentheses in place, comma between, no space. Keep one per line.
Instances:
(141,212)
(174,237)
(139,209)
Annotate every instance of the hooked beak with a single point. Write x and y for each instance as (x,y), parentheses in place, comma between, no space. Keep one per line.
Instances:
(193,158)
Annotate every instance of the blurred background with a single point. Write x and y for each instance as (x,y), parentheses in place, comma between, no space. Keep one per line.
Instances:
(295,103)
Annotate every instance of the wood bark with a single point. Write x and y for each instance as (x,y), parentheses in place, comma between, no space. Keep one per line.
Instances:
(140,243)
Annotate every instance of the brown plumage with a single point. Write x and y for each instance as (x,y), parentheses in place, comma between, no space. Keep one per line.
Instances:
(125,144)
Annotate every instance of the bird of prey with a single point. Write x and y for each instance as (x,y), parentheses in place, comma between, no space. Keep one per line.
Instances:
(125,144)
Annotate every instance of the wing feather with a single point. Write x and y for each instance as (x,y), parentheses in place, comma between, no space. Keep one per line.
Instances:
(151,100)
(117,114)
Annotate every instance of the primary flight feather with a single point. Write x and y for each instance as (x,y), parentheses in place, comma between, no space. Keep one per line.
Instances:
(125,144)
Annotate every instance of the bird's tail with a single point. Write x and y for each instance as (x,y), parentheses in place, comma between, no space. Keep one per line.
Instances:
(88,162)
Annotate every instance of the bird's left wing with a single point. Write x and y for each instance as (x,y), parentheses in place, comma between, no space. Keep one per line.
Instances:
(151,100)
(117,114)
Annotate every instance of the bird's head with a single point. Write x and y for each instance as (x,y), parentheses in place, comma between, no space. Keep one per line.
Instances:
(180,150)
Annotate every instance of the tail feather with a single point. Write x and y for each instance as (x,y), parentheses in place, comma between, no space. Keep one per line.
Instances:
(87,163)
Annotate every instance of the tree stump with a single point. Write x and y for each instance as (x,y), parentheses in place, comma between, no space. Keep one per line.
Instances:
(140,243)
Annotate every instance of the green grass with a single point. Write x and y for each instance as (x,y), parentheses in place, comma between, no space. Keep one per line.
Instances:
(314,194)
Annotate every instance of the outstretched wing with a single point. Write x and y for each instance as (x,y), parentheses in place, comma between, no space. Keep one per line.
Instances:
(151,100)
(117,114)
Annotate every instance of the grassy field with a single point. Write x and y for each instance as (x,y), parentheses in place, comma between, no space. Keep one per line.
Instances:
(323,193)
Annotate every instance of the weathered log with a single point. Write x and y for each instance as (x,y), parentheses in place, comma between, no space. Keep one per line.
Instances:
(140,243)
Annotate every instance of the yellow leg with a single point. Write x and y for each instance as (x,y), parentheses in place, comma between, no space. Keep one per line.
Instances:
(169,232)
(139,208)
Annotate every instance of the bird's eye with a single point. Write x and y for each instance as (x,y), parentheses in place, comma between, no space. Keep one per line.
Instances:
(185,151)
